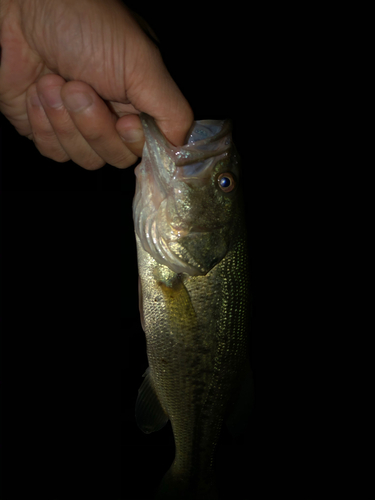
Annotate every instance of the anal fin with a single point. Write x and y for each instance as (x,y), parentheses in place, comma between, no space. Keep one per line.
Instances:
(149,414)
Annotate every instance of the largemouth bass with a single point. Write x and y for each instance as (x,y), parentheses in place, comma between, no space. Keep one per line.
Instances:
(193,295)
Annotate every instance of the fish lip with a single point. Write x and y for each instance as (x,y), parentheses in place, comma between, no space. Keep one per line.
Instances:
(158,147)
(187,154)
(193,153)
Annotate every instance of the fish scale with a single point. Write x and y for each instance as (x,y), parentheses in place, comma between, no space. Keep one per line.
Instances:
(194,320)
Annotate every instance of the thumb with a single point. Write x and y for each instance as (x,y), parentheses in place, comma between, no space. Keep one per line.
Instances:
(154,92)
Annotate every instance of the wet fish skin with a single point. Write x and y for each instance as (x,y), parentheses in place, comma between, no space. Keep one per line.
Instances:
(192,261)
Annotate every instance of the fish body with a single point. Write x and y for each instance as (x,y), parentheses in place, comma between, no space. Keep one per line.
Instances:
(193,295)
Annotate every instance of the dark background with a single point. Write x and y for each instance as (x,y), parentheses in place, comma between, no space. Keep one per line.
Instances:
(73,349)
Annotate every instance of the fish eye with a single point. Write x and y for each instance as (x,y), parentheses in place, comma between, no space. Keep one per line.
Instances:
(226,182)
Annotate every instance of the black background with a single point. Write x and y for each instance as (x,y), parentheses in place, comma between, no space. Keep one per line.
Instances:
(73,348)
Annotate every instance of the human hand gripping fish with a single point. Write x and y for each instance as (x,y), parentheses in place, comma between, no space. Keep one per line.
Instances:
(193,295)
(74,76)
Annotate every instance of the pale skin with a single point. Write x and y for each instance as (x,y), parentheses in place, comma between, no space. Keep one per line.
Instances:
(74,76)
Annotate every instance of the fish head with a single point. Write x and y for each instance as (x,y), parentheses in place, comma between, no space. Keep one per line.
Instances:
(187,206)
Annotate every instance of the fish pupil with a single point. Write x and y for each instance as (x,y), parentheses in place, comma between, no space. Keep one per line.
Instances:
(224,182)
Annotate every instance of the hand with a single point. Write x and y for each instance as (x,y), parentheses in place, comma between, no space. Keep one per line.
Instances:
(74,76)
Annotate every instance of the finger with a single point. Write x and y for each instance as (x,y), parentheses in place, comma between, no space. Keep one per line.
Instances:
(153,90)
(175,118)
(130,130)
(42,134)
(96,123)
(49,89)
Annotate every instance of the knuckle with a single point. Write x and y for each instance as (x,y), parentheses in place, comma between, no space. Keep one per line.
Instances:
(65,132)
(91,163)
(48,145)
(94,135)
(124,161)
(60,157)
(53,152)
(45,135)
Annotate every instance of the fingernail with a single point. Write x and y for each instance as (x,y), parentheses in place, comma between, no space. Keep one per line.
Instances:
(52,97)
(77,102)
(132,135)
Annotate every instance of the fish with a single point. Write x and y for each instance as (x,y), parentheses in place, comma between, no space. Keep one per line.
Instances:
(190,231)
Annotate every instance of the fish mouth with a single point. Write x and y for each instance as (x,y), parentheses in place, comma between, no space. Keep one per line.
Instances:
(206,140)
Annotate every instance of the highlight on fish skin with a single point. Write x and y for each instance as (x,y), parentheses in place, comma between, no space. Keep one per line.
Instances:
(193,298)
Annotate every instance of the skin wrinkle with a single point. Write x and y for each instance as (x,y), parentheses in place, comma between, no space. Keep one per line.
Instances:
(98,61)
(31,25)
(60,32)
(73,40)
(12,99)
(116,59)
(90,41)
(74,43)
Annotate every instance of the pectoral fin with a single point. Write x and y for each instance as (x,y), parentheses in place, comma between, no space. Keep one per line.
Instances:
(149,413)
